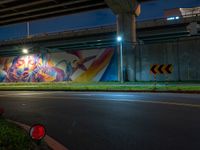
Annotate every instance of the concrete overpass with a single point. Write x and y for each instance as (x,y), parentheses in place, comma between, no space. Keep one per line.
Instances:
(165,42)
(14,11)
(150,31)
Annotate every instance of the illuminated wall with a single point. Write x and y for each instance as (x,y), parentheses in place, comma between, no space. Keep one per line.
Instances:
(88,65)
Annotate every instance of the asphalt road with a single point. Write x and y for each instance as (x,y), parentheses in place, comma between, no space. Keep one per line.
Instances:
(111,121)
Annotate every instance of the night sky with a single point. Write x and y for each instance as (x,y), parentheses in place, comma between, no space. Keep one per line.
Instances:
(150,10)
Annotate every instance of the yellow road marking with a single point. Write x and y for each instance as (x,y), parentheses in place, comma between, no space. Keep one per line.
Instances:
(168,103)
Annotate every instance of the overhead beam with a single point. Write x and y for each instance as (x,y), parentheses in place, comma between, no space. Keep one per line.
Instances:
(43,8)
(24,5)
(2,2)
(53,13)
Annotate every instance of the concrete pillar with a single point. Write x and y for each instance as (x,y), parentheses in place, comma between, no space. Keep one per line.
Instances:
(126,27)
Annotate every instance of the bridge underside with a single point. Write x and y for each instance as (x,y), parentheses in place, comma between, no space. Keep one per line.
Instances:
(14,11)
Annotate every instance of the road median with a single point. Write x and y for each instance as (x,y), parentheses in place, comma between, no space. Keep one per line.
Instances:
(104,86)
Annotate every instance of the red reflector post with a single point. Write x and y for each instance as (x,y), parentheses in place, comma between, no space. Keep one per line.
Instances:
(37,132)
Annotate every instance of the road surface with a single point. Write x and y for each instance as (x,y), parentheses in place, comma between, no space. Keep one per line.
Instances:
(111,121)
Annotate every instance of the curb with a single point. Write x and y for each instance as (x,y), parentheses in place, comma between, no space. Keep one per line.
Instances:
(52,143)
(138,91)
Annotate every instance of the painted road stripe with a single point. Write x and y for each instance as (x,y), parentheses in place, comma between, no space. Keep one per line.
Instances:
(168,103)
(122,100)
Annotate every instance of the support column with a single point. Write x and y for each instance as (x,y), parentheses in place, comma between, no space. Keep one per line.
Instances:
(126,11)
(126,28)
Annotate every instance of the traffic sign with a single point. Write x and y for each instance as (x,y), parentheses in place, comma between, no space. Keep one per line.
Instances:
(161,69)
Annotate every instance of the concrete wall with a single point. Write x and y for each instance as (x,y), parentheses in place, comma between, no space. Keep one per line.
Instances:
(183,54)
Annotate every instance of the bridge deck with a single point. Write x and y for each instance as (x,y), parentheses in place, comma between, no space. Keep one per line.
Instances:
(13,11)
(98,37)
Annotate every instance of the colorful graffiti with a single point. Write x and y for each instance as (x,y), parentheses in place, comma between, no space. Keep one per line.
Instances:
(54,67)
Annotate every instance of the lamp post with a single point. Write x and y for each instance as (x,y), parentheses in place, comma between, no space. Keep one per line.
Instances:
(120,41)
(28,29)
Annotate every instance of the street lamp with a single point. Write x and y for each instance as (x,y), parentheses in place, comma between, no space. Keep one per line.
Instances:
(120,41)
(25,51)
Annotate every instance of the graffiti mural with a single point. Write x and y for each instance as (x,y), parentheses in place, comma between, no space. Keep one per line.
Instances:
(89,65)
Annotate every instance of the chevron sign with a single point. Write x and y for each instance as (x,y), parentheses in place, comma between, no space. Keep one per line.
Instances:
(161,69)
